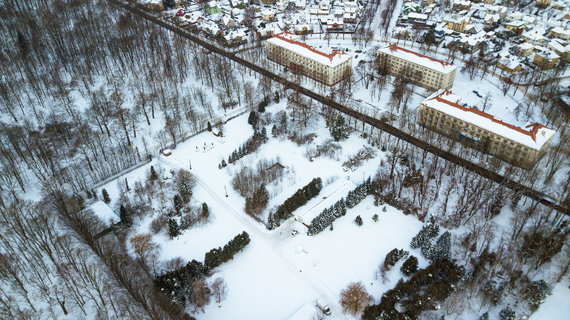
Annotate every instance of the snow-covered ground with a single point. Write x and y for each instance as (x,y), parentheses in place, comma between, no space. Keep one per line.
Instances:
(557,305)
(277,272)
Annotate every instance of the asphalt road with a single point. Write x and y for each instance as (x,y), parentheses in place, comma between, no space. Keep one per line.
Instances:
(524,190)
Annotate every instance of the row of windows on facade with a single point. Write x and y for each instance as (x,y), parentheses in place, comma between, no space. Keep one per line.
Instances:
(339,70)
(435,118)
(428,75)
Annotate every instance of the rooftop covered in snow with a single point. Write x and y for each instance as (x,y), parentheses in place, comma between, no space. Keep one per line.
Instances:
(289,41)
(533,135)
(417,58)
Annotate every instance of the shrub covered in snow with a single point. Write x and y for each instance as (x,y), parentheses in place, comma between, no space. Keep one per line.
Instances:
(410,266)
(298,199)
(250,146)
(326,218)
(358,194)
(356,161)
(217,256)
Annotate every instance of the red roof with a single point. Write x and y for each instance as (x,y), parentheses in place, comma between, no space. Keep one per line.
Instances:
(306,46)
(532,132)
(394,47)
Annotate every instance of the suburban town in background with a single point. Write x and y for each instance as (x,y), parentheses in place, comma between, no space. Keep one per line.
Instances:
(285,159)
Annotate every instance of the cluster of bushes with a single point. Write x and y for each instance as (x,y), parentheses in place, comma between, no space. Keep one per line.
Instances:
(250,146)
(182,218)
(328,149)
(356,161)
(424,290)
(249,177)
(217,256)
(327,217)
(176,284)
(255,204)
(298,199)
(392,258)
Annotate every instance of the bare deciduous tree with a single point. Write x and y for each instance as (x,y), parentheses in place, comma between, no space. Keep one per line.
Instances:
(354,298)
(219,289)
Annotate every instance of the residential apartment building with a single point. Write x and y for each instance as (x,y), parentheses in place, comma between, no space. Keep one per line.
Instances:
(327,68)
(523,147)
(423,70)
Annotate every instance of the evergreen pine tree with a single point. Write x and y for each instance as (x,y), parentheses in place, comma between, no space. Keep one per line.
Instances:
(178,204)
(375,217)
(358,221)
(283,122)
(169,3)
(125,216)
(442,249)
(209,126)
(484,316)
(276,98)
(270,222)
(507,314)
(173,228)
(106,198)
(337,128)
(261,107)
(205,210)
(428,232)
(252,119)
(153,175)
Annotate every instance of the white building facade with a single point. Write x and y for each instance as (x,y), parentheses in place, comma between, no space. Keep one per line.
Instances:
(327,68)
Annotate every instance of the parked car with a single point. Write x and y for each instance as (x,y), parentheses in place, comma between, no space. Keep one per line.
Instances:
(323,306)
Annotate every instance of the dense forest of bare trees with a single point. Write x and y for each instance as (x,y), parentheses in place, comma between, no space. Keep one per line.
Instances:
(84,87)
